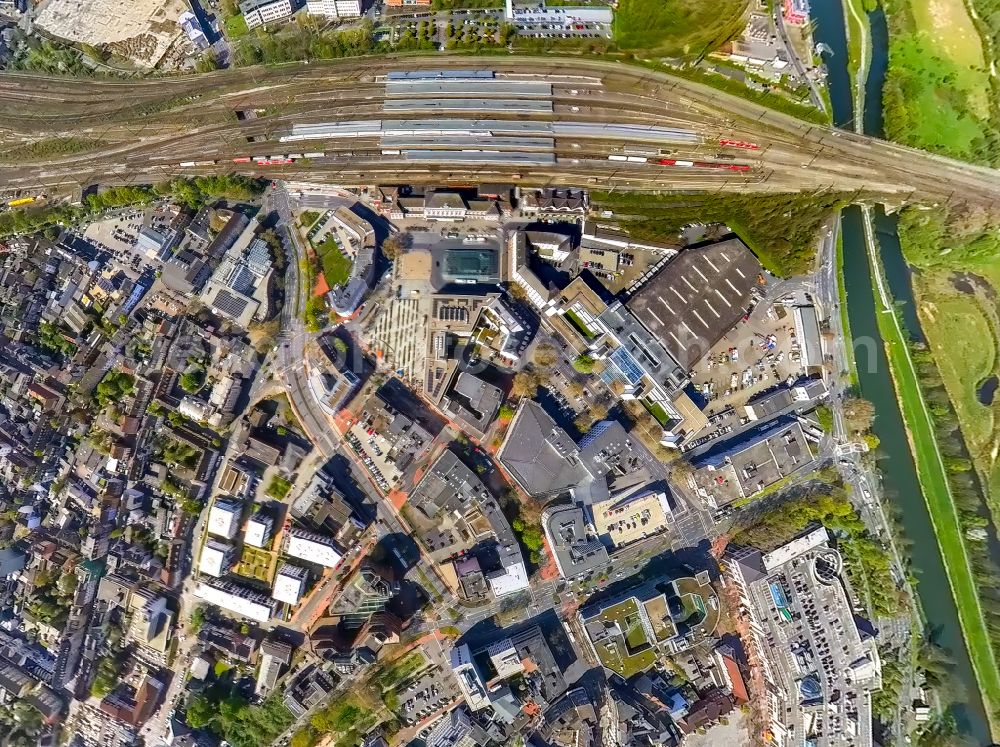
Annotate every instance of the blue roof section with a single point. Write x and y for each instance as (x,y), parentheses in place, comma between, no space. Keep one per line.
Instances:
(628,365)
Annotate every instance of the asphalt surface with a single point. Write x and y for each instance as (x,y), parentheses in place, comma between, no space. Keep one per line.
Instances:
(145,129)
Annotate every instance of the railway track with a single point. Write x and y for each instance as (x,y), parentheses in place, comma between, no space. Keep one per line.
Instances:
(151,127)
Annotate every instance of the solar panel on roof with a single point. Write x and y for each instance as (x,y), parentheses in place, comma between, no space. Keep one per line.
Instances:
(627,365)
(229,304)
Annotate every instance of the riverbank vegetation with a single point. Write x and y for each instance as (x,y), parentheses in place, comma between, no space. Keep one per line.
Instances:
(939,94)
(937,470)
(957,253)
(781,229)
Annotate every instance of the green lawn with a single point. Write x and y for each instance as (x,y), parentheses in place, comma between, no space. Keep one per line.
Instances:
(657,411)
(336,267)
(308,217)
(941,507)
(236,27)
(678,27)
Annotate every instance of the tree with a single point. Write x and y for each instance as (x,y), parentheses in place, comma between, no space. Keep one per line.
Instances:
(681,470)
(525,384)
(339,345)
(584,421)
(197,618)
(200,712)
(517,292)
(193,380)
(574,389)
(544,356)
(394,245)
(859,414)
(584,364)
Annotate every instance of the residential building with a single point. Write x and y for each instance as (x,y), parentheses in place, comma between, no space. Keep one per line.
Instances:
(316,548)
(216,558)
(334,8)
(289,583)
(238,599)
(224,518)
(259,12)
(259,528)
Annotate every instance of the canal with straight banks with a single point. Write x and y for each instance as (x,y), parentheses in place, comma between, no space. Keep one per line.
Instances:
(899,475)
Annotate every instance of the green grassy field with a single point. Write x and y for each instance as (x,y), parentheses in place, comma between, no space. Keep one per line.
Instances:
(941,508)
(938,86)
(336,267)
(678,27)
(962,324)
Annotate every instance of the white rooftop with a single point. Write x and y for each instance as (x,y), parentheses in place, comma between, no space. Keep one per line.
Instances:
(213,558)
(314,548)
(223,519)
(257,531)
(515,579)
(289,583)
(796,547)
(246,606)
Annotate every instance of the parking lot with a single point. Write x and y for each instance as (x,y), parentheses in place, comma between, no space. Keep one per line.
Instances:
(118,235)
(753,357)
(431,692)
(373,449)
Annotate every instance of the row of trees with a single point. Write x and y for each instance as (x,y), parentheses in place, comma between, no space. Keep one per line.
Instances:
(194,193)
(966,489)
(781,228)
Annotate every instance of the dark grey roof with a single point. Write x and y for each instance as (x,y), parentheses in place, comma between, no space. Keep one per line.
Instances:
(697,298)
(539,454)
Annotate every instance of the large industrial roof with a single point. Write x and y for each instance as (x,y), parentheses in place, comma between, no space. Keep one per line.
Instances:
(697,298)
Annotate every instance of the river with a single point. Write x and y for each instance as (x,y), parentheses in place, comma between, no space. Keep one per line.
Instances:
(899,476)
